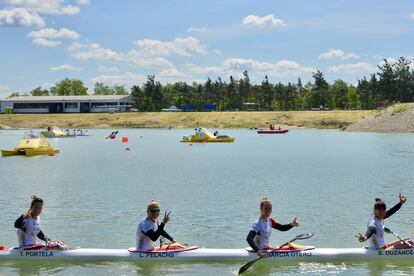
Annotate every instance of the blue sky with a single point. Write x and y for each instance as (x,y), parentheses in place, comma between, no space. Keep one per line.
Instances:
(121,42)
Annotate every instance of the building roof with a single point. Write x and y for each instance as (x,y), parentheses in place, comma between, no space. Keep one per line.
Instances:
(87,98)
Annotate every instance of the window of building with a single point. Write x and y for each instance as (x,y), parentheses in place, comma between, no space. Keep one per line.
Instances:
(108,104)
(71,105)
(30,105)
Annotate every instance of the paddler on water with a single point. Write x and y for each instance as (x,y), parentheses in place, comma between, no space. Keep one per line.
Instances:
(259,236)
(375,229)
(149,229)
(28,224)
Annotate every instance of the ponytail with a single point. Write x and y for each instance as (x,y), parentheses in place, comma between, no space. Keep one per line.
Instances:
(35,200)
(379,204)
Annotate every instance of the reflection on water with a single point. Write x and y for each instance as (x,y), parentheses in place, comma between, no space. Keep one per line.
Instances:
(95,192)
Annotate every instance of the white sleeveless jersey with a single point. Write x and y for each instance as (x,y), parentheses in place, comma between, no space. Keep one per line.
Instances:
(143,242)
(28,236)
(263,229)
(379,233)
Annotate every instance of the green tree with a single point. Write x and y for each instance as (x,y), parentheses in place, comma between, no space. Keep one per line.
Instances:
(320,90)
(101,89)
(405,84)
(267,92)
(69,87)
(38,91)
(353,96)
(119,90)
(338,95)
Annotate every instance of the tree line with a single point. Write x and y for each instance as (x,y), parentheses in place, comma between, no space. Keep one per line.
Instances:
(394,82)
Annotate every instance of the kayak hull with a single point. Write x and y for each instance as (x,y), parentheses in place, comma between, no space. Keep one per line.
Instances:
(209,254)
(209,140)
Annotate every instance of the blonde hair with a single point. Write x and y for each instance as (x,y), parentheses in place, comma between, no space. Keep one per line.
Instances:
(265,200)
(152,203)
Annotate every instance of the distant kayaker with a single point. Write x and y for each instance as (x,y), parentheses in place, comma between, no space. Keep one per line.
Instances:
(149,230)
(375,231)
(112,135)
(258,238)
(215,133)
(28,224)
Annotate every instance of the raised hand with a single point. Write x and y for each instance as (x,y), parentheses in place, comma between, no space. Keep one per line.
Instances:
(360,237)
(166,217)
(403,199)
(295,222)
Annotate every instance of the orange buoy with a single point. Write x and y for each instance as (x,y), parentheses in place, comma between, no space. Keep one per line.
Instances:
(51,154)
(125,139)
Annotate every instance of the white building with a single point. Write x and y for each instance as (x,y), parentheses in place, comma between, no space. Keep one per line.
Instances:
(67,104)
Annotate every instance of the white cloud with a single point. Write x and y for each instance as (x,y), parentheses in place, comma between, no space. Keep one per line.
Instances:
(46,43)
(337,54)
(171,73)
(20,17)
(256,69)
(94,51)
(180,47)
(82,2)
(200,70)
(267,21)
(65,67)
(139,59)
(277,69)
(125,79)
(108,69)
(4,91)
(75,46)
(70,10)
(134,57)
(46,6)
(196,30)
(52,33)
(351,68)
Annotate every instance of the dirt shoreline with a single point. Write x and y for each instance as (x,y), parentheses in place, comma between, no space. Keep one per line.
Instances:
(291,119)
(398,118)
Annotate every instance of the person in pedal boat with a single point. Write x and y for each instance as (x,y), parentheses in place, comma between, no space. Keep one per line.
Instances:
(149,230)
(258,237)
(28,224)
(375,231)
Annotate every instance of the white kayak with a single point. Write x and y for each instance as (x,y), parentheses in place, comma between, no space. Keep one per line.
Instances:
(310,254)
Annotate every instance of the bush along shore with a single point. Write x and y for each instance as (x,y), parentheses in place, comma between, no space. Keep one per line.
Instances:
(309,119)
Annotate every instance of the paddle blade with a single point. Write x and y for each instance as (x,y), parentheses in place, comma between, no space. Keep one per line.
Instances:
(387,230)
(304,236)
(247,266)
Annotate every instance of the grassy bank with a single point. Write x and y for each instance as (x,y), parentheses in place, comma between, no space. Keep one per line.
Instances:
(311,119)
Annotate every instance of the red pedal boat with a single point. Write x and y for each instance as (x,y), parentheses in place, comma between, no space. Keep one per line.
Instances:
(272,131)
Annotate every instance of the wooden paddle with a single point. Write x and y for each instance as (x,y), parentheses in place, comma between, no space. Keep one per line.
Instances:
(299,237)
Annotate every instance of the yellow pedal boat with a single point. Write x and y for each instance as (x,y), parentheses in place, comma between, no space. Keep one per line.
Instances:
(55,132)
(204,136)
(33,143)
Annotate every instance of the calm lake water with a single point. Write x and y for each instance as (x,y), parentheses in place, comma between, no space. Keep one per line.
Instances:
(95,192)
